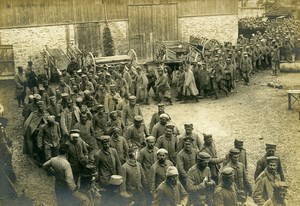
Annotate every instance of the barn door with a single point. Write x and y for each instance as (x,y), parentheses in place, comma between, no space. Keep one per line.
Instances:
(7,64)
(88,37)
(148,23)
(140,29)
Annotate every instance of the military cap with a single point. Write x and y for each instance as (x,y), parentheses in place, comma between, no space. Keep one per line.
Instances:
(31,96)
(41,89)
(171,171)
(203,156)
(270,146)
(188,125)
(116,180)
(207,136)
(87,92)
(160,69)
(74,131)
(228,59)
(272,159)
(104,138)
(234,151)
(64,94)
(100,106)
(75,135)
(132,97)
(138,68)
(280,185)
(51,118)
(188,139)
(112,85)
(79,99)
(238,141)
(164,116)
(83,76)
(37,96)
(107,74)
(161,151)
(149,138)
(40,103)
(131,150)
(170,125)
(160,104)
(72,78)
(138,118)
(112,112)
(79,71)
(227,172)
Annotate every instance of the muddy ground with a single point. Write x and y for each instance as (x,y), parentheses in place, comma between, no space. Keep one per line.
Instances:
(257,113)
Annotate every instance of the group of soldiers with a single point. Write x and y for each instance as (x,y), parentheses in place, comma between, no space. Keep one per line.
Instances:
(89,131)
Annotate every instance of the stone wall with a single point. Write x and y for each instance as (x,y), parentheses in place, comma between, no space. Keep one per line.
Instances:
(251,12)
(29,43)
(222,28)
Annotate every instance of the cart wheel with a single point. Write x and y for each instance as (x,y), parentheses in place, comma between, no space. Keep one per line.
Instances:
(211,44)
(133,56)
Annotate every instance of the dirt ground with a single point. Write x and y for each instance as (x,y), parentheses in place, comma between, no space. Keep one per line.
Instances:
(257,113)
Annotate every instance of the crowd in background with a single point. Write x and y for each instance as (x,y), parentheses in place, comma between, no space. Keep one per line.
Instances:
(89,128)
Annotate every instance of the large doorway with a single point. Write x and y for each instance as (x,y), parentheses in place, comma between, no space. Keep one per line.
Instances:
(150,23)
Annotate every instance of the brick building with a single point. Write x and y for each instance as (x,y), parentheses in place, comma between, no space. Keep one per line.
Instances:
(26,26)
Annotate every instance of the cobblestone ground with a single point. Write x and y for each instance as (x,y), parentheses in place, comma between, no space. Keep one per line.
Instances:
(257,113)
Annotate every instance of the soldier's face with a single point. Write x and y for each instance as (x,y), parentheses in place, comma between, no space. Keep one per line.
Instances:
(173,179)
(74,139)
(202,164)
(163,121)
(132,102)
(208,141)
(272,166)
(187,146)
(105,145)
(161,110)
(234,158)
(169,132)
(150,144)
(161,157)
(188,130)
(270,152)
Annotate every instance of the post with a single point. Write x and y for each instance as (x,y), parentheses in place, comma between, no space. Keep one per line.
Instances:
(289,101)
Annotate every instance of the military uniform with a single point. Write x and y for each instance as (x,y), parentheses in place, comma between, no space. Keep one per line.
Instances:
(158,174)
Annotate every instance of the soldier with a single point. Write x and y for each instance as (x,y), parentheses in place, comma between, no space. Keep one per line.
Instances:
(136,133)
(155,117)
(141,83)
(186,158)
(89,100)
(189,86)
(239,144)
(130,111)
(262,162)
(63,87)
(196,143)
(246,68)
(279,195)
(225,193)
(170,192)
(100,94)
(77,154)
(199,183)
(151,78)
(114,122)
(64,182)
(210,148)
(242,183)
(158,169)
(100,120)
(20,81)
(162,86)
(134,178)
(275,57)
(29,107)
(160,127)
(170,143)
(86,84)
(119,143)
(111,99)
(264,184)
(48,139)
(32,126)
(54,109)
(107,162)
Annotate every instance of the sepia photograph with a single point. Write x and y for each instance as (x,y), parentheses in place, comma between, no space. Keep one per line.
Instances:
(149,102)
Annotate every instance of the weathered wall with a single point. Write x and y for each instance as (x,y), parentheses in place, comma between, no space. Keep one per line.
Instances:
(29,43)
(222,28)
(119,31)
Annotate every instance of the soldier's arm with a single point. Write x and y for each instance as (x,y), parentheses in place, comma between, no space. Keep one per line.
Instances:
(280,171)
(158,195)
(258,192)
(179,164)
(191,185)
(123,174)
(246,182)
(152,180)
(40,137)
(184,199)
(258,169)
(218,199)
